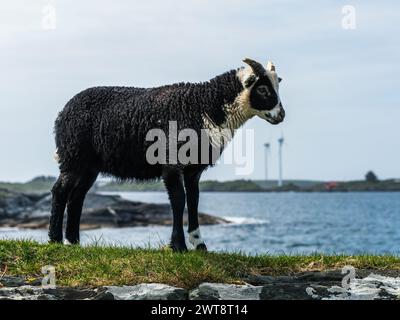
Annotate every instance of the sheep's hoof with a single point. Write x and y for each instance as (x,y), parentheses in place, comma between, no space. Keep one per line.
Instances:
(51,241)
(201,247)
(66,242)
(178,247)
(55,239)
(71,242)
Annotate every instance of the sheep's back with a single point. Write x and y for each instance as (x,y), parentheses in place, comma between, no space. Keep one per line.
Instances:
(107,127)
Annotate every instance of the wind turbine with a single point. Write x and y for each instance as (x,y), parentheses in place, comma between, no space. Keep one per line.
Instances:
(280,141)
(267,149)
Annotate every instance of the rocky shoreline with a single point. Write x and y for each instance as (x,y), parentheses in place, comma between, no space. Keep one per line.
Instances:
(32,210)
(315,285)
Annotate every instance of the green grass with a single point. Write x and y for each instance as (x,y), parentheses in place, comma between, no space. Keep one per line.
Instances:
(99,265)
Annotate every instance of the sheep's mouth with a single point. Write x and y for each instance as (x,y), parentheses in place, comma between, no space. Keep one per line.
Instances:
(276,117)
(275,120)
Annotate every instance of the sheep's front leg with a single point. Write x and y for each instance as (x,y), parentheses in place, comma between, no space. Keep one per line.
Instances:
(174,185)
(192,194)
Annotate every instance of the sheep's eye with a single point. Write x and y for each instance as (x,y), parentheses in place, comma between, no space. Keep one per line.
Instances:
(263,90)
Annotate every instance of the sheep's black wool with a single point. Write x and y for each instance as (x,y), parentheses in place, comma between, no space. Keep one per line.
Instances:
(103,130)
(105,127)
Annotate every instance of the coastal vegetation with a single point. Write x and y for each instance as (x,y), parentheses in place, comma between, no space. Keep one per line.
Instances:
(97,265)
(370,183)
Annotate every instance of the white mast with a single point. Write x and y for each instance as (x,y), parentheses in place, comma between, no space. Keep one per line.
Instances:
(280,141)
(267,147)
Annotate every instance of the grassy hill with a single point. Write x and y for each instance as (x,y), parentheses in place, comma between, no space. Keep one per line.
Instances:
(38,184)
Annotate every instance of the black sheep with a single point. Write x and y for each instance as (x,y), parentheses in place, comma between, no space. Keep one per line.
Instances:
(104,129)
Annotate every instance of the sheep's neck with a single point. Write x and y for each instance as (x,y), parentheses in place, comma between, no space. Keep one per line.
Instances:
(236,114)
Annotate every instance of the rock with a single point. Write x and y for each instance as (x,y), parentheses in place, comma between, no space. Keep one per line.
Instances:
(297,287)
(221,291)
(318,276)
(13,203)
(33,211)
(27,292)
(334,276)
(146,291)
(372,287)
(10,281)
(24,293)
(327,285)
(292,291)
(301,286)
(260,279)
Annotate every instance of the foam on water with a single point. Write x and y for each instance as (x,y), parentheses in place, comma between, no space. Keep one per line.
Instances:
(245,220)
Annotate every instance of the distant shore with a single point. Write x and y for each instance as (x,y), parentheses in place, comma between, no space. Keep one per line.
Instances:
(44,184)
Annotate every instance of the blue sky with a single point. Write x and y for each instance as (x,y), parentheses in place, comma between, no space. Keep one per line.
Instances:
(340,87)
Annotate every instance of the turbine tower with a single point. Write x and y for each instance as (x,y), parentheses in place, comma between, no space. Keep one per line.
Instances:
(267,149)
(280,141)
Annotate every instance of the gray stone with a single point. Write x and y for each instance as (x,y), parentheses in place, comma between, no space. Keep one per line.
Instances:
(27,292)
(303,286)
(293,291)
(320,276)
(260,280)
(24,293)
(10,281)
(221,291)
(329,276)
(145,291)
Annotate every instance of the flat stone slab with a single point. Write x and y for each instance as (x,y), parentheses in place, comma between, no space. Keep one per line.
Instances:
(27,292)
(145,291)
(221,291)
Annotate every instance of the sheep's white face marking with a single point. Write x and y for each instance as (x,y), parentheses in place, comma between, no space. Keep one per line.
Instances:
(262,93)
(195,238)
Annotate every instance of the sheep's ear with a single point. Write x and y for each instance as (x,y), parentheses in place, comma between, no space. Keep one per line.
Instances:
(279,79)
(271,66)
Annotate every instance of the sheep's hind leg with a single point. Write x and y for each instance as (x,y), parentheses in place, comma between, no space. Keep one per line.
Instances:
(192,196)
(74,206)
(60,192)
(174,185)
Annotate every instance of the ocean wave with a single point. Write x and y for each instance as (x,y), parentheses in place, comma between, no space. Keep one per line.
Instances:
(246,220)
(9,229)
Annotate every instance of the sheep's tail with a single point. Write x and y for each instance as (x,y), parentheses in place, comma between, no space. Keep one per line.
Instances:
(56,157)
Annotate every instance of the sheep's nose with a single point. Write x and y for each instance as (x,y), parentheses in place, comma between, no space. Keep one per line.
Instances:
(281,114)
